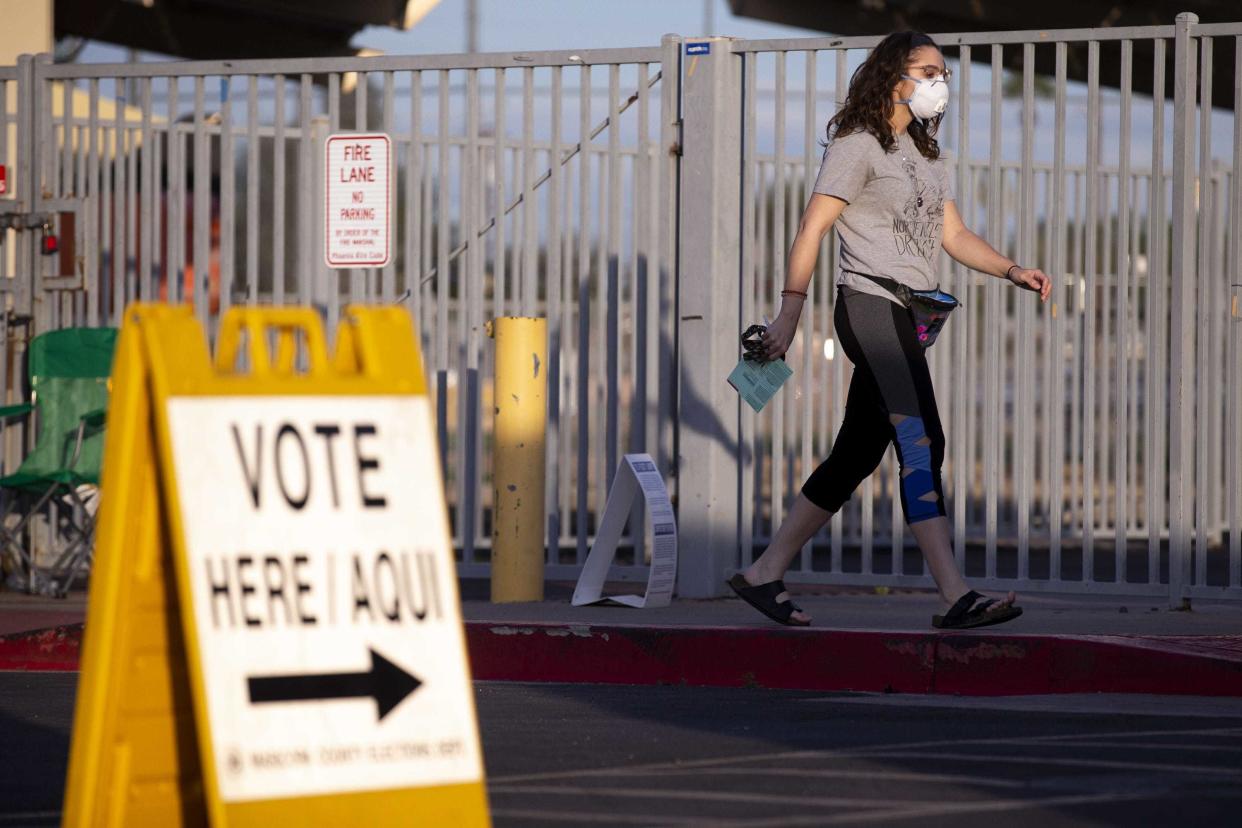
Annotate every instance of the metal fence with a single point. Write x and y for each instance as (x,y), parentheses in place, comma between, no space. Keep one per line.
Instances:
(1062,421)
(524,185)
(644,200)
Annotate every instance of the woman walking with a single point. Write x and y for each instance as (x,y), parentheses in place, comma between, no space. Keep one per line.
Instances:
(886,189)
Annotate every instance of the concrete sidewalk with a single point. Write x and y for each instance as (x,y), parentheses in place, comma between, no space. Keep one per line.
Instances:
(861,640)
(852,608)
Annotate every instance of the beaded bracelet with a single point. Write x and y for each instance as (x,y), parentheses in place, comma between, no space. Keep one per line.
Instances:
(793,293)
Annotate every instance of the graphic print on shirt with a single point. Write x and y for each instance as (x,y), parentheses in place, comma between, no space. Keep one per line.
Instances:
(917,231)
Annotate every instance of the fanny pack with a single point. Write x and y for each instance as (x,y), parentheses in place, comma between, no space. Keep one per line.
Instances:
(929,309)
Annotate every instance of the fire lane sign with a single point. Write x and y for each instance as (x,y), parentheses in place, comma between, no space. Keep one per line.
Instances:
(358,200)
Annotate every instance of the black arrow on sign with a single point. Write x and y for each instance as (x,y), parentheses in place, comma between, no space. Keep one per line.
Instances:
(387,683)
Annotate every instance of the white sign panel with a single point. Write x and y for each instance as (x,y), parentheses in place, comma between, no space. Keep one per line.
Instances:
(358,199)
(324,595)
(638,475)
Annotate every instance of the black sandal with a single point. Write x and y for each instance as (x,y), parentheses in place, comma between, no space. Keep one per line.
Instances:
(763,598)
(969,612)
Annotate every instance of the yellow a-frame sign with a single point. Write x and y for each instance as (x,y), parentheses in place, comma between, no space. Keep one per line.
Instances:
(273,634)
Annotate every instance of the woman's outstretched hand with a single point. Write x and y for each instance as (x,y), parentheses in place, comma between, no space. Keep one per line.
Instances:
(1033,279)
(779,335)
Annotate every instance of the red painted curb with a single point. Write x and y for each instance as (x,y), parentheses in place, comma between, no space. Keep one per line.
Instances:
(820,660)
(865,660)
(54,648)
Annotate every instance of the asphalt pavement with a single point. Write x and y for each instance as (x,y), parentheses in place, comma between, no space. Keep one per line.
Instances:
(674,756)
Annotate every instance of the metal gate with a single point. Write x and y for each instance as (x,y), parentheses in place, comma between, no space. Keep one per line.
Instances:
(526,184)
(1092,443)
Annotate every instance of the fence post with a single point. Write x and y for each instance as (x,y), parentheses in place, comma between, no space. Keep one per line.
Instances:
(26,189)
(709,316)
(1182,311)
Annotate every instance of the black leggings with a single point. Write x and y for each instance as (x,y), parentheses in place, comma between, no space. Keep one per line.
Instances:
(890,401)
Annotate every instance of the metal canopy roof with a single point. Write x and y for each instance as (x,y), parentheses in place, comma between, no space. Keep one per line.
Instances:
(224,29)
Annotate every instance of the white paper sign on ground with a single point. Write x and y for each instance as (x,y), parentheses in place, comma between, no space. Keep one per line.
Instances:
(358,200)
(637,475)
(324,594)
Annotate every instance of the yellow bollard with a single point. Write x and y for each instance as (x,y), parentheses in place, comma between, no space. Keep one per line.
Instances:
(521,400)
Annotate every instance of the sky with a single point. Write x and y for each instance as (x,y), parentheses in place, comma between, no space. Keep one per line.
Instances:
(517,25)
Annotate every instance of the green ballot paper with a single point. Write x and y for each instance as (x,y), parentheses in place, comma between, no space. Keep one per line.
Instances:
(758,382)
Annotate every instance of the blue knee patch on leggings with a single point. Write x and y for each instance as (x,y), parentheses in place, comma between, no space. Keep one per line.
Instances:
(916,467)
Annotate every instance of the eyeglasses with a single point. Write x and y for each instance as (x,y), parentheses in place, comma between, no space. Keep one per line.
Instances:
(932,72)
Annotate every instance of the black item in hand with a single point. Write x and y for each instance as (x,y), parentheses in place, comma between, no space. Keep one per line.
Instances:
(752,343)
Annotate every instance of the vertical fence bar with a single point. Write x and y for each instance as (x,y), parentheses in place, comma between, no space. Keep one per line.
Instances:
(499,285)
(470,310)
(307,258)
(278,193)
(1141,195)
(530,221)
(388,278)
(759,297)
(252,189)
(1203,317)
(1157,309)
(602,475)
(1091,277)
(993,309)
(329,278)
(1233,462)
(750,276)
(772,288)
(556,316)
(1077,295)
(1024,375)
(26,188)
(1060,306)
(116,201)
(150,199)
(840,75)
(443,296)
(1216,306)
(961,459)
(1182,331)
(357,277)
(202,206)
(649,219)
(1121,422)
(568,354)
(612,246)
(808,384)
(426,263)
(96,212)
(63,184)
(107,244)
(413,212)
(228,195)
(581,523)
(131,215)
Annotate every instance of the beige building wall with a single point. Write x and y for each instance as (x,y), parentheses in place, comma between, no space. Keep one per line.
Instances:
(27,29)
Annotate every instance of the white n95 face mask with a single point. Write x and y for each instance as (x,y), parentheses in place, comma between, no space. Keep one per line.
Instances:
(930,97)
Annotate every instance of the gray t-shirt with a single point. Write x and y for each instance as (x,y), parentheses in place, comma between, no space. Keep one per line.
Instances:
(894,220)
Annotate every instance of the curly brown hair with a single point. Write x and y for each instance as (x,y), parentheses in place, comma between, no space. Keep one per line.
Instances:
(869,104)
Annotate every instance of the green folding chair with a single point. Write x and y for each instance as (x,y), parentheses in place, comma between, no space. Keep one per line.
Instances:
(69,383)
